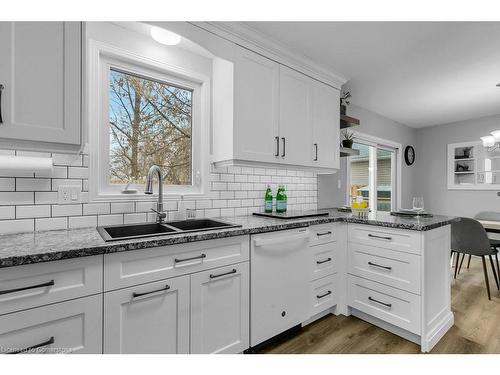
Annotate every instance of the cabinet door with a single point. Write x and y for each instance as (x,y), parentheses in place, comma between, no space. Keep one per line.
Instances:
(256,93)
(295,119)
(220,310)
(149,319)
(40,69)
(325,121)
(68,327)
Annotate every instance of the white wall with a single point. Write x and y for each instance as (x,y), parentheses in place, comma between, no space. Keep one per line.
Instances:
(379,126)
(431,176)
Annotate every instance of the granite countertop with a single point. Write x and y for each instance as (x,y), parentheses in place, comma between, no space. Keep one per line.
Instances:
(28,248)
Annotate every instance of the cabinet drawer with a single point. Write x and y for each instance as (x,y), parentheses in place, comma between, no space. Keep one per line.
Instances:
(386,303)
(67,327)
(323,260)
(34,285)
(387,238)
(324,294)
(393,268)
(143,266)
(322,233)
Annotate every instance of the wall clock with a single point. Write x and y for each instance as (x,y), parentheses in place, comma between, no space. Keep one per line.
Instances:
(409,155)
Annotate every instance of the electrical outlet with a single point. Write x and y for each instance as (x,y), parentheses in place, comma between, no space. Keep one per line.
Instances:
(68,194)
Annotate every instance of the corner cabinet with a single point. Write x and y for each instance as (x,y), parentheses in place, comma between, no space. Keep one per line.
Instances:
(280,117)
(473,167)
(41,74)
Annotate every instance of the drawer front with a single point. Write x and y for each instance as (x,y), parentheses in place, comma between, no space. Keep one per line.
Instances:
(387,238)
(323,233)
(34,285)
(324,261)
(393,268)
(68,327)
(324,294)
(144,266)
(386,303)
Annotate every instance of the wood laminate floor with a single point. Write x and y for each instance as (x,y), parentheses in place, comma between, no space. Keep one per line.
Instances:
(476,329)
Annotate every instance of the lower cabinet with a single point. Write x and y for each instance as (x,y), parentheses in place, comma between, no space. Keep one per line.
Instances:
(73,326)
(204,312)
(150,318)
(220,310)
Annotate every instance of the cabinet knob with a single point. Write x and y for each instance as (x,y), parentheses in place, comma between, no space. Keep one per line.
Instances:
(1,89)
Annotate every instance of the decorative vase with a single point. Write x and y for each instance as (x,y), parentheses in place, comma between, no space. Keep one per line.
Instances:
(343,109)
(347,143)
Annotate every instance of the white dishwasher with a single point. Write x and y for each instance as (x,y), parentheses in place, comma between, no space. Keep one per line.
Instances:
(279,285)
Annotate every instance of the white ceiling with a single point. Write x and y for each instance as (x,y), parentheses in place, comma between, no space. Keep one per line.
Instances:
(416,73)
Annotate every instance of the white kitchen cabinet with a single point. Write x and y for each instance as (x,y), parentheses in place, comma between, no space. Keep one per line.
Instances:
(279,116)
(280,288)
(68,327)
(256,111)
(325,132)
(41,73)
(295,117)
(150,318)
(220,310)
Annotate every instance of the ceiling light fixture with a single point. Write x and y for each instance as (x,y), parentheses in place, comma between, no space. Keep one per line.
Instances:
(164,36)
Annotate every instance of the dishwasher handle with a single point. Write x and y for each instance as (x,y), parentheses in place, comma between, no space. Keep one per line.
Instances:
(260,242)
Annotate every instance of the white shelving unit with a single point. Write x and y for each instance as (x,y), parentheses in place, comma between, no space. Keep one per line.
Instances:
(472,167)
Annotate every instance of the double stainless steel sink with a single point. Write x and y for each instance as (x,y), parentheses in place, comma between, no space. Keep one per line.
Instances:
(125,232)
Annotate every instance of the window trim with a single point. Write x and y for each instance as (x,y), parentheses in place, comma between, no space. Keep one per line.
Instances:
(381,143)
(101,58)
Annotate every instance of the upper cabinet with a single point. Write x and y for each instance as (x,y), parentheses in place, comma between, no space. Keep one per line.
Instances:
(280,116)
(41,74)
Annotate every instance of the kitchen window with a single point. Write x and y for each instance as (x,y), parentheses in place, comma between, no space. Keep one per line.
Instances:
(148,114)
(373,175)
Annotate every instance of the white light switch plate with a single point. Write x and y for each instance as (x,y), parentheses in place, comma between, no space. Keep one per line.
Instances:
(67,194)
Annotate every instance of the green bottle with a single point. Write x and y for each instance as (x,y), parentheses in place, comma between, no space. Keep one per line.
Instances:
(268,200)
(281,199)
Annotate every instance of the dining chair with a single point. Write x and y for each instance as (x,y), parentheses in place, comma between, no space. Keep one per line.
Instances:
(469,237)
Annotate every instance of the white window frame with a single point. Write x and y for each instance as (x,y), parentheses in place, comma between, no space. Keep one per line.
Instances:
(101,58)
(396,160)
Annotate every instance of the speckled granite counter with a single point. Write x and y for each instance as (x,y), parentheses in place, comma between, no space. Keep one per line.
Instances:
(27,248)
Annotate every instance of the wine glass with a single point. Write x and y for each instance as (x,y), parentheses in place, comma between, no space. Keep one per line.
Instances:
(418,203)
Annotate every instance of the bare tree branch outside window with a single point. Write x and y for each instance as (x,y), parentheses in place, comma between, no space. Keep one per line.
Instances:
(150,122)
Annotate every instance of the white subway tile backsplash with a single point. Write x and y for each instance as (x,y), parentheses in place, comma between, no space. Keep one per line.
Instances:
(32,184)
(7,212)
(110,219)
(66,210)
(122,207)
(28,201)
(25,212)
(17,226)
(96,208)
(134,218)
(14,198)
(51,223)
(7,184)
(82,222)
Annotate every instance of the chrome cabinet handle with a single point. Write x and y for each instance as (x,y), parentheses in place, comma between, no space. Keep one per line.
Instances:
(381,237)
(323,234)
(7,291)
(380,302)
(316,152)
(277,146)
(284,147)
(379,266)
(323,261)
(223,274)
(135,295)
(42,344)
(188,259)
(1,89)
